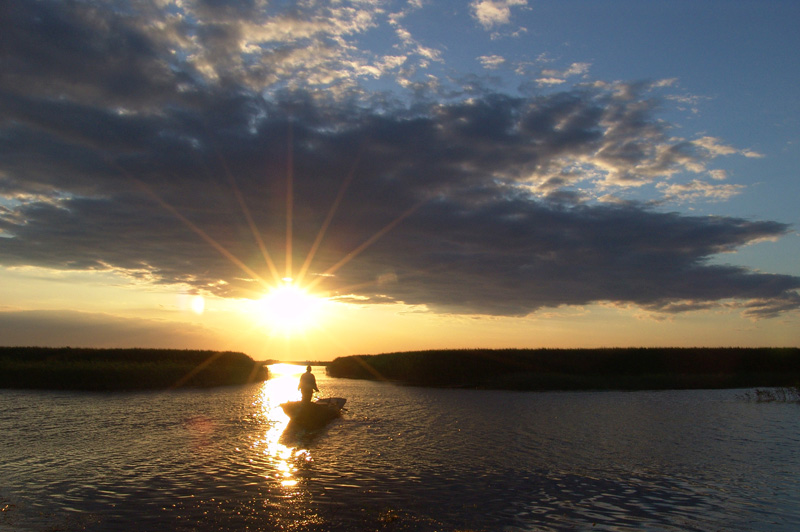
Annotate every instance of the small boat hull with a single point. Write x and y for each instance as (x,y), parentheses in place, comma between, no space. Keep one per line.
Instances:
(314,415)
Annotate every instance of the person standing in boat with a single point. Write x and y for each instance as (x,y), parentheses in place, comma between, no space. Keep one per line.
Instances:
(308,385)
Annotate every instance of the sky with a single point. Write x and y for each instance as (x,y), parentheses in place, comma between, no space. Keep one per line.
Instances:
(307,180)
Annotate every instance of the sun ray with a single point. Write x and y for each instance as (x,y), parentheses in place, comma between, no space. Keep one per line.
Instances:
(364,245)
(288,292)
(373,282)
(250,222)
(197,369)
(289,200)
(325,224)
(202,234)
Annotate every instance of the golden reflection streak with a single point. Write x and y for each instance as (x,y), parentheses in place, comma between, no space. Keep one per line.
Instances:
(281,459)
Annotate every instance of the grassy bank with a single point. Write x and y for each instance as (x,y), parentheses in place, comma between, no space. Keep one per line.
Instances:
(123,369)
(580,369)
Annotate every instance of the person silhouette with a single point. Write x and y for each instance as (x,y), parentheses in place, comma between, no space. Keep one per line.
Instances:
(308,385)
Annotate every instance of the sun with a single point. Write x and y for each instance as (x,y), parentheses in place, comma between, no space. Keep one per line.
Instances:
(290,309)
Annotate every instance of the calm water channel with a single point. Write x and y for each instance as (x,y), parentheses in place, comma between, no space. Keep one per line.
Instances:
(400,459)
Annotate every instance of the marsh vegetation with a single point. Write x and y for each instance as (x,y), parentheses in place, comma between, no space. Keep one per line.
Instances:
(580,369)
(124,369)
(786,394)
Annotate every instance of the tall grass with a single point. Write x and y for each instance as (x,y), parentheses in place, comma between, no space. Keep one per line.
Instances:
(123,369)
(618,368)
(787,394)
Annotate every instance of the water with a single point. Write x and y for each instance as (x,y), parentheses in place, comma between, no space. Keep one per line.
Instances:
(400,459)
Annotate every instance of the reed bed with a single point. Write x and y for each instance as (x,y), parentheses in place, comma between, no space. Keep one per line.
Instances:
(124,369)
(580,369)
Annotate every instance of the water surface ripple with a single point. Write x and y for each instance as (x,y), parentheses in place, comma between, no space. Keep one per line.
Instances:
(401,459)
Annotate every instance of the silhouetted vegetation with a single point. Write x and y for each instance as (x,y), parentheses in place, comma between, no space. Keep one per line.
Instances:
(789,394)
(124,369)
(580,369)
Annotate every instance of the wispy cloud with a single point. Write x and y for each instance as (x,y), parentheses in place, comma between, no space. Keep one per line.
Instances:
(491,61)
(699,190)
(550,76)
(493,13)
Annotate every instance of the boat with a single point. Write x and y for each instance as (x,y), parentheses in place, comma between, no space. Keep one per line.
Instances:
(314,415)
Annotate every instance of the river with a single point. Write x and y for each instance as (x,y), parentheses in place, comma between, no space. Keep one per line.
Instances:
(400,459)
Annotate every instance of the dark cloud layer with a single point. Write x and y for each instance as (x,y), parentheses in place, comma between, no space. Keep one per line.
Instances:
(118,150)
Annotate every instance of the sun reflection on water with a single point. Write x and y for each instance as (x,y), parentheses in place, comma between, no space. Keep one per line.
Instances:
(282,461)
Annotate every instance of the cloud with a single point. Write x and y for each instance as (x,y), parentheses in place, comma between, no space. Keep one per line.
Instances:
(772,307)
(410,44)
(491,61)
(492,13)
(475,203)
(551,76)
(148,54)
(699,190)
(715,148)
(752,154)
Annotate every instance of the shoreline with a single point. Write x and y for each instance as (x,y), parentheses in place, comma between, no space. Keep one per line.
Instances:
(579,369)
(131,369)
(109,370)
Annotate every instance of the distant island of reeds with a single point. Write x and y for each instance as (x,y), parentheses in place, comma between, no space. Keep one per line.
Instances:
(124,369)
(580,369)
